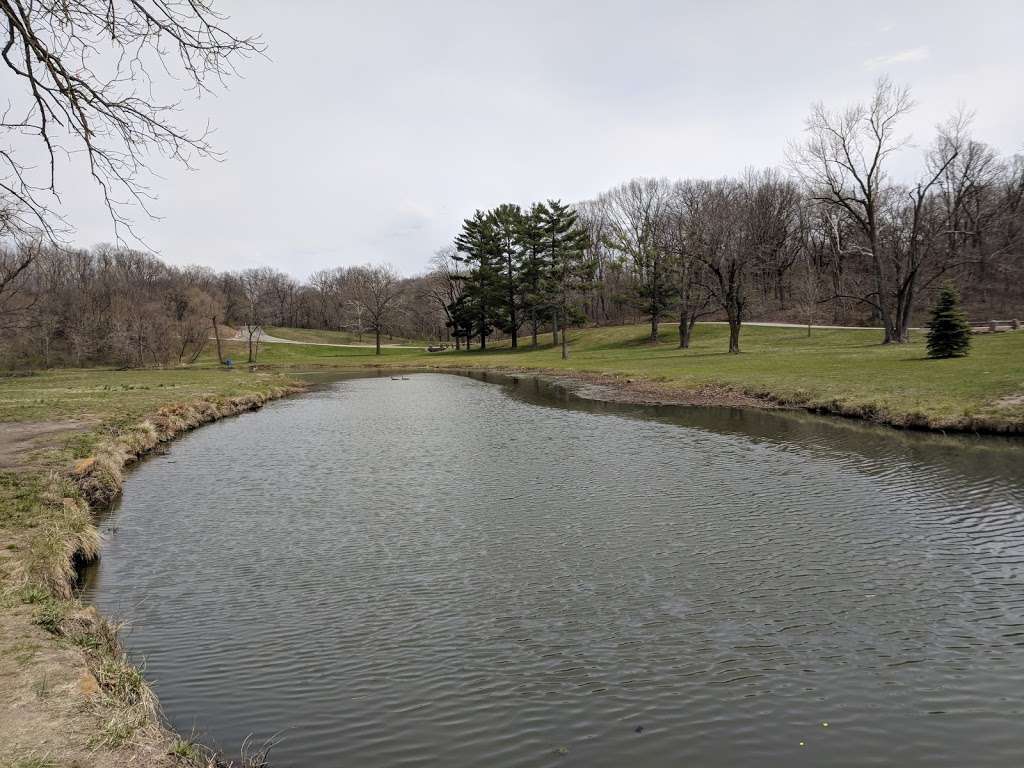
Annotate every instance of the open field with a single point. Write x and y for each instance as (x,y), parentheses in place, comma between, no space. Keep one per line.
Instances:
(311,336)
(840,370)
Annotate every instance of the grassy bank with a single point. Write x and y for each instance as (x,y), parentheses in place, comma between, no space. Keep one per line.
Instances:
(74,699)
(844,371)
(311,336)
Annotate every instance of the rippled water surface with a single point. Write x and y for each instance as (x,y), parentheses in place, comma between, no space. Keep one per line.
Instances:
(451,572)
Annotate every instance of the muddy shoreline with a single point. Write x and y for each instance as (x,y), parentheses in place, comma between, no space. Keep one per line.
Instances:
(637,391)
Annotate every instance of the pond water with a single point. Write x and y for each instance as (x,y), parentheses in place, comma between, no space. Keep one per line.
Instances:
(448,571)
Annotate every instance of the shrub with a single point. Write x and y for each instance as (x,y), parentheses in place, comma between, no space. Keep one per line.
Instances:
(949,334)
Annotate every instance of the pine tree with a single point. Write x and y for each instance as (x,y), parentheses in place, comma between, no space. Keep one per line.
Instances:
(507,222)
(482,293)
(535,268)
(570,272)
(949,333)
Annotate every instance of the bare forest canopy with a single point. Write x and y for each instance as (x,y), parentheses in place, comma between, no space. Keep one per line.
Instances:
(834,239)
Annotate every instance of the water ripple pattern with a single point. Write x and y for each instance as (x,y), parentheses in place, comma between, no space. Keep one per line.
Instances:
(451,572)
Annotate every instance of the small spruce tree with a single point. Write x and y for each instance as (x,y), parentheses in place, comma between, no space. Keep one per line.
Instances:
(949,334)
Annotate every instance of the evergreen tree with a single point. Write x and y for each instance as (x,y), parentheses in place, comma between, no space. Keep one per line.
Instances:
(479,249)
(507,222)
(535,269)
(949,333)
(461,320)
(570,271)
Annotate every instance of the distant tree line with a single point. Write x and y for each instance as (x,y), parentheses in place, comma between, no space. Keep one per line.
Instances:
(833,239)
(119,306)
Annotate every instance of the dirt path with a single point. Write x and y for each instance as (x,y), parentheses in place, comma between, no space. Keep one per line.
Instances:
(266,338)
(800,325)
(18,440)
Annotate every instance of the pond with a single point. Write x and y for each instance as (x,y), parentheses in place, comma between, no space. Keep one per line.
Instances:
(456,571)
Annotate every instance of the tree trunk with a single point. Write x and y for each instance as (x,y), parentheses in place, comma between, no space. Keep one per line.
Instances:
(376,334)
(252,359)
(216,332)
(686,330)
(565,346)
(534,326)
(554,330)
(906,310)
(514,320)
(198,352)
(734,330)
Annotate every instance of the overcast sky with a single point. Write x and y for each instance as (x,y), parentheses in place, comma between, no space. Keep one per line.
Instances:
(374,128)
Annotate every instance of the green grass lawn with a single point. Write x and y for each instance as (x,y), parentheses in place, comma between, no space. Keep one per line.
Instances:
(333,337)
(841,370)
(844,370)
(306,355)
(104,395)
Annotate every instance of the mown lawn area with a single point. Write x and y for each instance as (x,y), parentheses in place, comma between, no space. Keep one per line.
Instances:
(847,369)
(312,336)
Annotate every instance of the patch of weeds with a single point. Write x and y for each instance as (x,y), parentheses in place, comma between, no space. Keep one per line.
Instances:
(87,640)
(122,681)
(116,732)
(49,615)
(187,751)
(127,700)
(258,755)
(80,445)
(33,594)
(42,687)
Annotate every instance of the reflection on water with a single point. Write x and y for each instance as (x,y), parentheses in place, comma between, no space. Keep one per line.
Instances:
(448,571)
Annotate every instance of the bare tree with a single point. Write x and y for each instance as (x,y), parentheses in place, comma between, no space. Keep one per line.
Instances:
(254,284)
(376,291)
(844,163)
(15,300)
(85,70)
(690,231)
(444,284)
(724,252)
(812,246)
(636,210)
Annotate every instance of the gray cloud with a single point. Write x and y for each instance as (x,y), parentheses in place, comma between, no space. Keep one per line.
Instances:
(375,127)
(911,54)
